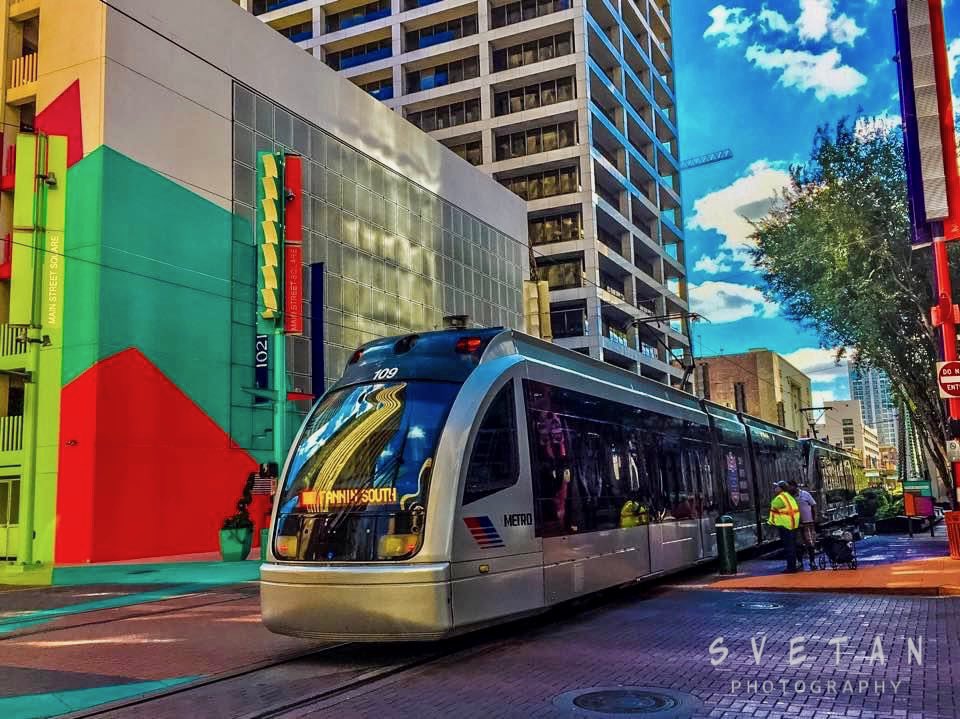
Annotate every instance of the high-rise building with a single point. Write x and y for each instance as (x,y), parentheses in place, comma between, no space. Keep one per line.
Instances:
(871,388)
(759,383)
(842,425)
(147,366)
(571,105)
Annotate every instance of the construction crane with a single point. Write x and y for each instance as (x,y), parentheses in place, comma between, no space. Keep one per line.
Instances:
(702,160)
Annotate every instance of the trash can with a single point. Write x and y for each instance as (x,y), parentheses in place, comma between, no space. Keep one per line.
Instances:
(952,520)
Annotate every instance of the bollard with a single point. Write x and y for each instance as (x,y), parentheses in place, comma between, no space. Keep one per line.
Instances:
(726,547)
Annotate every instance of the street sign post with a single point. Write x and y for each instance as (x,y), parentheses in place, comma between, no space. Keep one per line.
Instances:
(948,379)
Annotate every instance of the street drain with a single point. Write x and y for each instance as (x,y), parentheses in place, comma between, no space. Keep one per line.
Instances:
(760,606)
(628,701)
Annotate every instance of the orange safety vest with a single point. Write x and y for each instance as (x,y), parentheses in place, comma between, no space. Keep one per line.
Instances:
(787,516)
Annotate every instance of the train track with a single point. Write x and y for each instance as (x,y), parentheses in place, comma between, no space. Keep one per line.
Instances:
(167,703)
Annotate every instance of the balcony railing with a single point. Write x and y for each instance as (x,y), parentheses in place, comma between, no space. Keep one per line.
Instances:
(23,70)
(10,346)
(11,434)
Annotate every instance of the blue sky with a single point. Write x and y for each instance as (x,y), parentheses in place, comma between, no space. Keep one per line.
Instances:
(759,77)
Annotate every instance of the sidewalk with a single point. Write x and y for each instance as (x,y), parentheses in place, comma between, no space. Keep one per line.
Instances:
(93,587)
(887,564)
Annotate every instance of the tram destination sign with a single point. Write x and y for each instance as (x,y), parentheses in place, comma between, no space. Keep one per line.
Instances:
(948,379)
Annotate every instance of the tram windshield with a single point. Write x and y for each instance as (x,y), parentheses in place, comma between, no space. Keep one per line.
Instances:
(357,485)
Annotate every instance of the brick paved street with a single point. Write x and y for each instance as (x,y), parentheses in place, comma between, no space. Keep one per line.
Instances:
(661,639)
(75,648)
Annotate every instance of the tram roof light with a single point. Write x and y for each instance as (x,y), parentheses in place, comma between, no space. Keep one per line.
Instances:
(356,356)
(469,345)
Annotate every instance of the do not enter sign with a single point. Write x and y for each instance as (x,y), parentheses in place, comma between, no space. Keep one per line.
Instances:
(948,379)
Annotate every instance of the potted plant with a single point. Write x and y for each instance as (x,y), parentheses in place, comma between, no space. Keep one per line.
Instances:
(236,534)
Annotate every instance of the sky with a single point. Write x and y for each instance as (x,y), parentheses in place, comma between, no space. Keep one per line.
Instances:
(758,77)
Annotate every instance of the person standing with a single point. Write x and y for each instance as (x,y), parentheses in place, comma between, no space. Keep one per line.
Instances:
(785,516)
(808,523)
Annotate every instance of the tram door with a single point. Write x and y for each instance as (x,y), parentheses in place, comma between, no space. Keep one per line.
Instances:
(9,518)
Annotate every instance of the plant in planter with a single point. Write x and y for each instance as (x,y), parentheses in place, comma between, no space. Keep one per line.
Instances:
(236,534)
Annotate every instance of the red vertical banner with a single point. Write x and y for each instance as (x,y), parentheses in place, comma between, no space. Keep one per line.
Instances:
(948,138)
(293,245)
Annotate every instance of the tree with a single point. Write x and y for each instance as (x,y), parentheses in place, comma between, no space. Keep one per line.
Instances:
(835,252)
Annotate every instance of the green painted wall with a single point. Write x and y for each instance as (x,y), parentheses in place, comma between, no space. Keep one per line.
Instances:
(157,267)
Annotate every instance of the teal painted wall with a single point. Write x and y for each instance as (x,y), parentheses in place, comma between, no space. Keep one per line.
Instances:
(159,268)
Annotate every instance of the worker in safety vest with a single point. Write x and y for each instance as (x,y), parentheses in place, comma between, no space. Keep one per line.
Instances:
(785,516)
(633,514)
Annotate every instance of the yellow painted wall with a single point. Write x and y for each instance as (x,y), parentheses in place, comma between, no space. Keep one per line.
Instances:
(72,46)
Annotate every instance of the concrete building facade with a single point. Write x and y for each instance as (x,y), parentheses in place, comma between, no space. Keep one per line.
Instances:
(844,427)
(760,383)
(143,377)
(871,388)
(570,104)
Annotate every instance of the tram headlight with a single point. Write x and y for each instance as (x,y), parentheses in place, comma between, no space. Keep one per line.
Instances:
(392,546)
(286,546)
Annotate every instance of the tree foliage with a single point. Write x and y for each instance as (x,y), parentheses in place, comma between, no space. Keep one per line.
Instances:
(835,252)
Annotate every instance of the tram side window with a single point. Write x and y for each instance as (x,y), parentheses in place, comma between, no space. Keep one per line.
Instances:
(494,463)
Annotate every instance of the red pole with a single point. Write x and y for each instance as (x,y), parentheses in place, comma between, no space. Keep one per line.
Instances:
(943,311)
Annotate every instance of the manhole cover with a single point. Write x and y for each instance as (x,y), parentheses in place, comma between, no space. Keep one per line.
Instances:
(628,701)
(760,606)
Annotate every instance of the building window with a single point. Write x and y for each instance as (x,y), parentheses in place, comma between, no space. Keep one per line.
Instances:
(567,227)
(441,75)
(443,32)
(534,51)
(535,140)
(740,397)
(380,89)
(262,6)
(569,322)
(360,55)
(562,275)
(531,97)
(358,15)
(438,118)
(299,32)
(472,152)
(705,379)
(515,12)
(544,184)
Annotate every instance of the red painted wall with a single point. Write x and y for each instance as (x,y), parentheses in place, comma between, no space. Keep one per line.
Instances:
(149,474)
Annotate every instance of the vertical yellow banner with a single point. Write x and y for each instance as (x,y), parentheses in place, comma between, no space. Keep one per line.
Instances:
(51,278)
(24,205)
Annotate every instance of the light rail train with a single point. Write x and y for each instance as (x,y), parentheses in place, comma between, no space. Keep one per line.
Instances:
(451,480)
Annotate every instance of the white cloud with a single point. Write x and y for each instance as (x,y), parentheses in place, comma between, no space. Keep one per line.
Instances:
(714,265)
(774,21)
(953,53)
(845,31)
(722,302)
(730,209)
(868,128)
(728,25)
(820,398)
(823,73)
(819,364)
(814,22)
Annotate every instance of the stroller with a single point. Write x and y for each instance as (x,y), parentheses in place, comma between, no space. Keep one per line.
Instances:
(838,548)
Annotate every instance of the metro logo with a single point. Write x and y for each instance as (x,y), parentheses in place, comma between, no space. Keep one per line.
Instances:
(483,532)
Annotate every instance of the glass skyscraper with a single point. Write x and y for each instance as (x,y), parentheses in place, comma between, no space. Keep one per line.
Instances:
(871,387)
